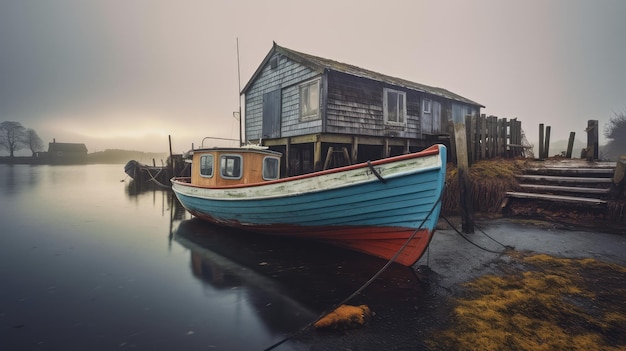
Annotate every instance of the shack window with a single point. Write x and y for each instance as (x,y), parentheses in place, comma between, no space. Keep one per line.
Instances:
(427,106)
(206,165)
(270,168)
(310,100)
(394,106)
(230,166)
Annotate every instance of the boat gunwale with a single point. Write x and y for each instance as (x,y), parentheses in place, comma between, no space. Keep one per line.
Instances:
(430,151)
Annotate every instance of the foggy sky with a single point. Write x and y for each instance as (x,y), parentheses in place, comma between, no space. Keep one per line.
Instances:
(125,74)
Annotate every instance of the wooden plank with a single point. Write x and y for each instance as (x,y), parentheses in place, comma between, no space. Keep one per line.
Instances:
(568,170)
(483,137)
(556,198)
(565,189)
(475,139)
(468,139)
(505,141)
(620,170)
(557,179)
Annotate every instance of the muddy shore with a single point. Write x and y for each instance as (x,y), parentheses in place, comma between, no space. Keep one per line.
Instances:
(421,311)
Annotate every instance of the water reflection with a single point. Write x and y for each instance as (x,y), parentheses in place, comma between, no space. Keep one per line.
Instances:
(273,286)
(290,282)
(279,311)
(16,177)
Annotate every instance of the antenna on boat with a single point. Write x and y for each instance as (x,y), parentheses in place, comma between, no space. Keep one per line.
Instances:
(239,94)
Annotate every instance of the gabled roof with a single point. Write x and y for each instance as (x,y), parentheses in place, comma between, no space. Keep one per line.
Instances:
(320,64)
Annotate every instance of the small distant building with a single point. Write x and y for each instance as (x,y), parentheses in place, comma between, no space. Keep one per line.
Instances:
(67,152)
(315,111)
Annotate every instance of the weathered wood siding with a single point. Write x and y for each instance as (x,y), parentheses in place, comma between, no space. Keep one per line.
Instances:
(355,106)
(284,77)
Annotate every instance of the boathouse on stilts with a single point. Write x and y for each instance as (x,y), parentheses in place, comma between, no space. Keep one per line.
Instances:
(323,114)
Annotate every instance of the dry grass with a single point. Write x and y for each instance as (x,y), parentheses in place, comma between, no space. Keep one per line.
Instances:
(490,180)
(558,304)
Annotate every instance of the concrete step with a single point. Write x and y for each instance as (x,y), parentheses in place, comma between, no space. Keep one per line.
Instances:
(557,198)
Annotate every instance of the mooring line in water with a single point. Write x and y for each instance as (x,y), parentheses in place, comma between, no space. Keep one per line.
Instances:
(367,283)
(153,178)
(473,243)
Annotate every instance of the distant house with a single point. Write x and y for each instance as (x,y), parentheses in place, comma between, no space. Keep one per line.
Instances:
(66,152)
(317,110)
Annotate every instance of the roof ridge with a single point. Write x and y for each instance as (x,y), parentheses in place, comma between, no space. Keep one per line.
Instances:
(322,63)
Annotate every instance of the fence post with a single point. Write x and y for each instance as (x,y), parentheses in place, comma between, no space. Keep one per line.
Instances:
(483,137)
(473,139)
(546,148)
(570,145)
(541,141)
(505,137)
(592,139)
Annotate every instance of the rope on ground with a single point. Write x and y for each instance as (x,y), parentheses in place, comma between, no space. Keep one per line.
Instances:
(509,247)
(473,243)
(367,283)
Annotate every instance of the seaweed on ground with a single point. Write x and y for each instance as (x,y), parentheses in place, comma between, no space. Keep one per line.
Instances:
(555,304)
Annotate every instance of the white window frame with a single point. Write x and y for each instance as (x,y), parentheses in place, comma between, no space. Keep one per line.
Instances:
(202,157)
(306,111)
(277,167)
(427,106)
(401,109)
(223,166)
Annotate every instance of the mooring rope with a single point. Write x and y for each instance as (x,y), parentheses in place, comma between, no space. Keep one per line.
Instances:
(473,243)
(367,283)
(155,180)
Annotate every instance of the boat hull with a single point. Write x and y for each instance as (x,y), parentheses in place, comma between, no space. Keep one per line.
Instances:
(373,208)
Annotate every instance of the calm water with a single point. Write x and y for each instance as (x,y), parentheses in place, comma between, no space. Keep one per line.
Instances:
(88,262)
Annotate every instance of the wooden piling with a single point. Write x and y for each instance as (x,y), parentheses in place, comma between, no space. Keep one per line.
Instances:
(465,206)
(592,140)
(546,148)
(570,145)
(541,141)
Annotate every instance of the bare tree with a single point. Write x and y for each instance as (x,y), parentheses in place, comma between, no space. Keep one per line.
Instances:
(615,131)
(33,141)
(12,136)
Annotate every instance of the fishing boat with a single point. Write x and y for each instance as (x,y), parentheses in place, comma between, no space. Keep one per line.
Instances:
(387,208)
(159,175)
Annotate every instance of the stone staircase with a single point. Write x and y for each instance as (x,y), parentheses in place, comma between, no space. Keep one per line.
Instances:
(563,184)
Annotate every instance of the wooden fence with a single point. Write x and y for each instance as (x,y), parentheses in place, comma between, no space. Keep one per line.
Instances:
(491,137)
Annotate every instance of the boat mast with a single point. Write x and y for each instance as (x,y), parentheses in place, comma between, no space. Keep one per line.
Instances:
(239,94)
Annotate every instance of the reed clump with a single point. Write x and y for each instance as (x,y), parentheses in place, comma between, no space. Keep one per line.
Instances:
(489,179)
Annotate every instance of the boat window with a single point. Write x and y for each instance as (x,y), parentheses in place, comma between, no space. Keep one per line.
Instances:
(230,166)
(206,165)
(270,168)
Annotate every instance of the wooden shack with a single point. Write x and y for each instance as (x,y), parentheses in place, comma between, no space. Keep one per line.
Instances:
(322,113)
(66,153)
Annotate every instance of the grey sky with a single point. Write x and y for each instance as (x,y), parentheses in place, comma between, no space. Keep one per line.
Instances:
(125,74)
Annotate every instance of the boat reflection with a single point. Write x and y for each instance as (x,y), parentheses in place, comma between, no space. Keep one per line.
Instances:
(290,282)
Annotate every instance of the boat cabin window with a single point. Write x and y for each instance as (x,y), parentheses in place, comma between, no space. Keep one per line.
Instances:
(206,165)
(270,168)
(230,166)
